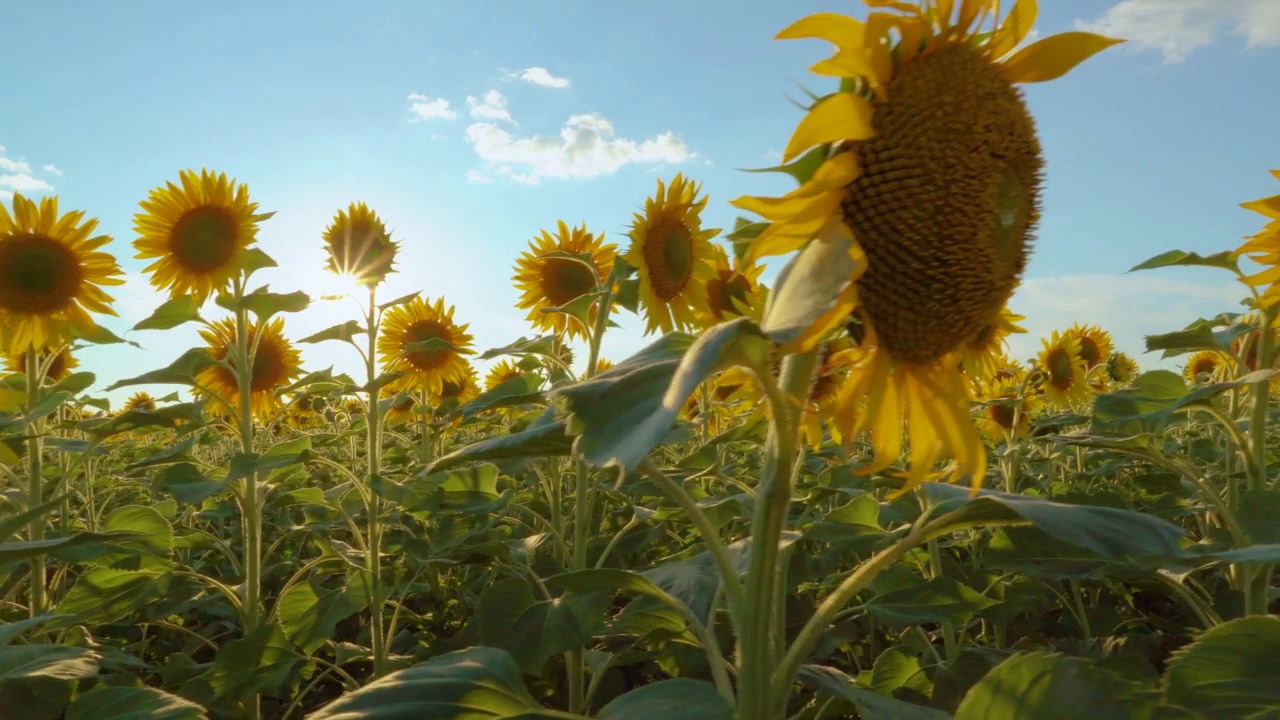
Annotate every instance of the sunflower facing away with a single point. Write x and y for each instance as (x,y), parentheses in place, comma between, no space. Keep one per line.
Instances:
(138,401)
(276,363)
(984,354)
(931,164)
(1122,369)
(461,391)
(50,270)
(406,327)
(734,290)
(56,369)
(1264,248)
(1003,412)
(197,235)
(550,282)
(358,245)
(1204,366)
(673,256)
(1063,370)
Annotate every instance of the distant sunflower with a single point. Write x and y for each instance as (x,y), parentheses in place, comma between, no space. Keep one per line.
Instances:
(461,391)
(1204,366)
(1122,369)
(198,235)
(358,245)
(138,401)
(1095,344)
(551,282)
(276,363)
(1063,369)
(502,372)
(984,352)
(57,369)
(354,407)
(930,165)
(1000,406)
(603,365)
(50,270)
(402,411)
(673,256)
(1264,248)
(733,290)
(823,400)
(419,321)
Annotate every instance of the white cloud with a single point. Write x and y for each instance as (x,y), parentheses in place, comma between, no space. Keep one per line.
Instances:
(493,106)
(586,147)
(17,175)
(539,76)
(476,176)
(52,170)
(425,108)
(1130,307)
(1178,28)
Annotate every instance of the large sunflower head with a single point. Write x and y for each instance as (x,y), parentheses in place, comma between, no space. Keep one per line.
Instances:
(734,289)
(197,235)
(421,339)
(1062,370)
(276,363)
(138,401)
(56,368)
(50,273)
(928,159)
(359,245)
(1204,366)
(673,256)
(551,282)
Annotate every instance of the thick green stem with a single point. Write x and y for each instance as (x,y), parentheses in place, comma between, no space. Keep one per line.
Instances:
(250,510)
(373,509)
(35,478)
(1258,587)
(757,633)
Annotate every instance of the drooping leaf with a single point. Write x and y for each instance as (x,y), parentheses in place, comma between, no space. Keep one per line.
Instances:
(263,661)
(1044,686)
(1174,258)
(940,598)
(678,699)
(105,595)
(809,287)
(171,314)
(342,331)
(871,705)
(106,702)
(62,662)
(182,371)
(1231,672)
(532,629)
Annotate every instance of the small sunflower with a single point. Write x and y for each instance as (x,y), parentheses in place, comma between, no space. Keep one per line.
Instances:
(359,245)
(673,256)
(197,235)
(1063,370)
(420,321)
(1264,248)
(276,363)
(1122,369)
(502,372)
(138,401)
(603,365)
(1204,366)
(1001,404)
(402,411)
(461,391)
(50,273)
(733,290)
(930,164)
(1095,344)
(823,401)
(354,407)
(551,282)
(56,369)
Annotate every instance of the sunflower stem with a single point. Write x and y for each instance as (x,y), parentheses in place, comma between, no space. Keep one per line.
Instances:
(377,624)
(251,511)
(35,475)
(1258,588)
(758,634)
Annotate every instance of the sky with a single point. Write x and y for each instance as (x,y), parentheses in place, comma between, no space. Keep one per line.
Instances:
(471,126)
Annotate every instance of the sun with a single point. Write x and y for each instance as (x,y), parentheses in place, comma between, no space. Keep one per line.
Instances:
(359,246)
(926,162)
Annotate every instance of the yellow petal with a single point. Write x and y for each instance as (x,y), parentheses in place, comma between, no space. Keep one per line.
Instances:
(842,31)
(969,11)
(1015,27)
(846,63)
(1269,207)
(842,116)
(1054,56)
(942,11)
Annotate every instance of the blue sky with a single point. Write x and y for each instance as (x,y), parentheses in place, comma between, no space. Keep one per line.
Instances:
(470,126)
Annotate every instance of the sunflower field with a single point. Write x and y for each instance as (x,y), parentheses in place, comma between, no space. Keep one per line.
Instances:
(835,496)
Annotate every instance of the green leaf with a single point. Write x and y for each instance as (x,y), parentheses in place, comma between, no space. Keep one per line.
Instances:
(471,684)
(75,383)
(398,301)
(1231,671)
(545,437)
(803,168)
(870,705)
(132,703)
(1109,532)
(309,612)
(264,304)
(168,417)
(263,661)
(290,452)
(619,419)
(188,484)
(940,598)
(1043,686)
(545,345)
(64,662)
(175,312)
(510,617)
(105,595)
(1154,400)
(679,699)
(256,259)
(144,532)
(16,551)
(98,335)
(522,390)
(343,331)
(182,371)
(898,670)
(808,287)
(12,631)
(1181,257)
(11,525)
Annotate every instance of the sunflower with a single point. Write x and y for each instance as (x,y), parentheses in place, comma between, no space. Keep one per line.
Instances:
(1095,344)
(56,369)
(50,270)
(984,353)
(552,282)
(276,363)
(1062,370)
(1264,248)
(198,235)
(673,256)
(603,365)
(1208,365)
(460,391)
(930,164)
(1122,369)
(831,367)
(733,290)
(402,410)
(502,372)
(138,401)
(1001,403)
(359,245)
(354,407)
(419,321)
